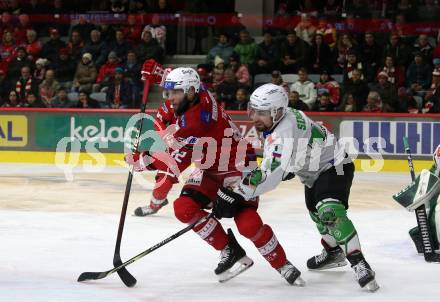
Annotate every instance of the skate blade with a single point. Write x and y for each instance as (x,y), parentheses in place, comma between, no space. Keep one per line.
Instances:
(372,286)
(299,282)
(239,267)
(330,266)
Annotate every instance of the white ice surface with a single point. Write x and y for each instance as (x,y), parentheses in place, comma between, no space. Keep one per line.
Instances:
(43,252)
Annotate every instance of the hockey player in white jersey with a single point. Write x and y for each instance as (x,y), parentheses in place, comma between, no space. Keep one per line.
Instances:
(424,190)
(295,145)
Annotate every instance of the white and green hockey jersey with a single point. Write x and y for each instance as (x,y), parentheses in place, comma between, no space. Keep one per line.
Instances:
(296,145)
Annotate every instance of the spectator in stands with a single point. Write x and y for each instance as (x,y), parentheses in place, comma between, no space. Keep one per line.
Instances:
(86,102)
(22,28)
(96,47)
(119,93)
(75,45)
(148,48)
(267,55)
(83,27)
(64,68)
(32,101)
(241,100)
(436,51)
(120,46)
(132,70)
(246,48)
(332,9)
(233,29)
(217,78)
(12,100)
(373,102)
(25,84)
(432,97)
(15,66)
(132,31)
(4,86)
(7,47)
(277,78)
(33,45)
(396,74)
(219,64)
(357,88)
(352,64)
(227,89)
(305,29)
(52,47)
(106,72)
(371,56)
(418,75)
(158,31)
(308,7)
(406,102)
(344,46)
(294,53)
(40,70)
(305,88)
(107,32)
(398,50)
(348,104)
(48,88)
(223,50)
(241,70)
(7,22)
(436,63)
(296,103)
(327,31)
(387,92)
(324,104)
(320,55)
(61,100)
(85,74)
(330,85)
(423,47)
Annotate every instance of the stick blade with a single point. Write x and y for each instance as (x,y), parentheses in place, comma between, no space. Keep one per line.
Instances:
(91,276)
(125,276)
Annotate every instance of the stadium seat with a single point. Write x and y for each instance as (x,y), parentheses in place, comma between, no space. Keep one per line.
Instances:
(99,96)
(314,77)
(338,77)
(261,79)
(73,97)
(290,78)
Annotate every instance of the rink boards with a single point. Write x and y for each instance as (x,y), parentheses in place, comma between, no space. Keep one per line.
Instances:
(98,137)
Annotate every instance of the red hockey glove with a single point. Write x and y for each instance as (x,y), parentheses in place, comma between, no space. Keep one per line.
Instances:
(140,161)
(154,72)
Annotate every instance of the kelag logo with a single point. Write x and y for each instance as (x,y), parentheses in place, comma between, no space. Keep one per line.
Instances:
(13,131)
(387,137)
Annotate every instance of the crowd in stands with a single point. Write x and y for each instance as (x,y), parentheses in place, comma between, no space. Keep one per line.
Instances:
(323,58)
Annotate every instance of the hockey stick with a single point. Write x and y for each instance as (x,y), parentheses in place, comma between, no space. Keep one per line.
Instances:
(125,276)
(421,217)
(100,275)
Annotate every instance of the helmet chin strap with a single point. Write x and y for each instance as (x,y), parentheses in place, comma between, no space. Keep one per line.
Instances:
(275,123)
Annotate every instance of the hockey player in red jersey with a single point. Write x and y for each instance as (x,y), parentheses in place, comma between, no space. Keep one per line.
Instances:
(205,135)
(164,180)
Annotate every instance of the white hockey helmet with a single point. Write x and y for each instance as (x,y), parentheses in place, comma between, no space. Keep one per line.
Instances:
(182,78)
(269,98)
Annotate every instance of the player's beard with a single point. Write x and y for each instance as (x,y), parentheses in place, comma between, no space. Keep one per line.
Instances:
(184,105)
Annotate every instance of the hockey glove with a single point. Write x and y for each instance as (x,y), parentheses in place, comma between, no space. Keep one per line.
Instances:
(154,72)
(140,161)
(227,202)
